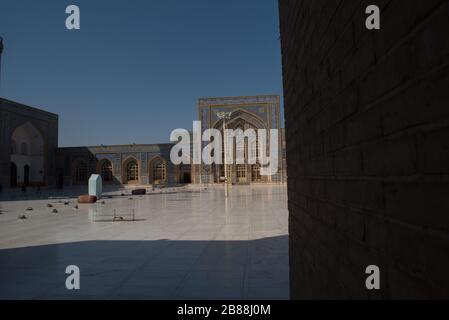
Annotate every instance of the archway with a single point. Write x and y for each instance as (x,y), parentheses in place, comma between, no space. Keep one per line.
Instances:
(242,173)
(131,171)
(13,174)
(255,173)
(80,173)
(27,154)
(187,178)
(105,170)
(26,176)
(158,171)
(60,181)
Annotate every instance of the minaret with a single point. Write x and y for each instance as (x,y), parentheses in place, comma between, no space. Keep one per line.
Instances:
(1,51)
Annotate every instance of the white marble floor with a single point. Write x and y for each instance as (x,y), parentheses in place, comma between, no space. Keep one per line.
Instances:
(186,243)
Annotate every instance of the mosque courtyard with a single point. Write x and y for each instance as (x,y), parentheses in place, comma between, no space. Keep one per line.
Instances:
(179,243)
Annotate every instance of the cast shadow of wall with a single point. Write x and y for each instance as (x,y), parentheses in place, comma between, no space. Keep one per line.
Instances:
(164,269)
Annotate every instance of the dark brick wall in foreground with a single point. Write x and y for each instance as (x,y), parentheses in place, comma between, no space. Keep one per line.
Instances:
(367,130)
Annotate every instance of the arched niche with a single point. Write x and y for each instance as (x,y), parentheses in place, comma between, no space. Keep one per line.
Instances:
(27,155)
(105,169)
(131,171)
(157,171)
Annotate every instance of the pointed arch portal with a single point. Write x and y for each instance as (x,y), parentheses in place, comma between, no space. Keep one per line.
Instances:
(27,156)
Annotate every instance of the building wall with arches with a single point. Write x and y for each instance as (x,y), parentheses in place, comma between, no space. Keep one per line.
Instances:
(128,165)
(30,154)
(29,142)
(251,112)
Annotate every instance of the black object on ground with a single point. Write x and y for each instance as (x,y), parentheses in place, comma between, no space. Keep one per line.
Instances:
(139,192)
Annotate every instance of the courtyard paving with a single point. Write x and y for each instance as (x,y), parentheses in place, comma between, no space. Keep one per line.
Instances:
(186,243)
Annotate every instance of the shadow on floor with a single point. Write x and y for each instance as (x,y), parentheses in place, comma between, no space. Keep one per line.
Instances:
(162,269)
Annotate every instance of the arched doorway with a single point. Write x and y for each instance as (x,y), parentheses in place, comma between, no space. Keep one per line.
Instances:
(241,173)
(80,172)
(27,154)
(255,173)
(187,178)
(131,172)
(248,172)
(60,181)
(105,170)
(158,171)
(13,174)
(26,176)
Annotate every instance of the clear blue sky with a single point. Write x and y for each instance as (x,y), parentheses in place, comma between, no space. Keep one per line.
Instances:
(135,70)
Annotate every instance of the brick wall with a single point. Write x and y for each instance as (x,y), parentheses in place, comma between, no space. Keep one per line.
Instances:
(367,130)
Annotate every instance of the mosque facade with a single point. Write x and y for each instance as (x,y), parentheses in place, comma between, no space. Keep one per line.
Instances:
(30,155)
